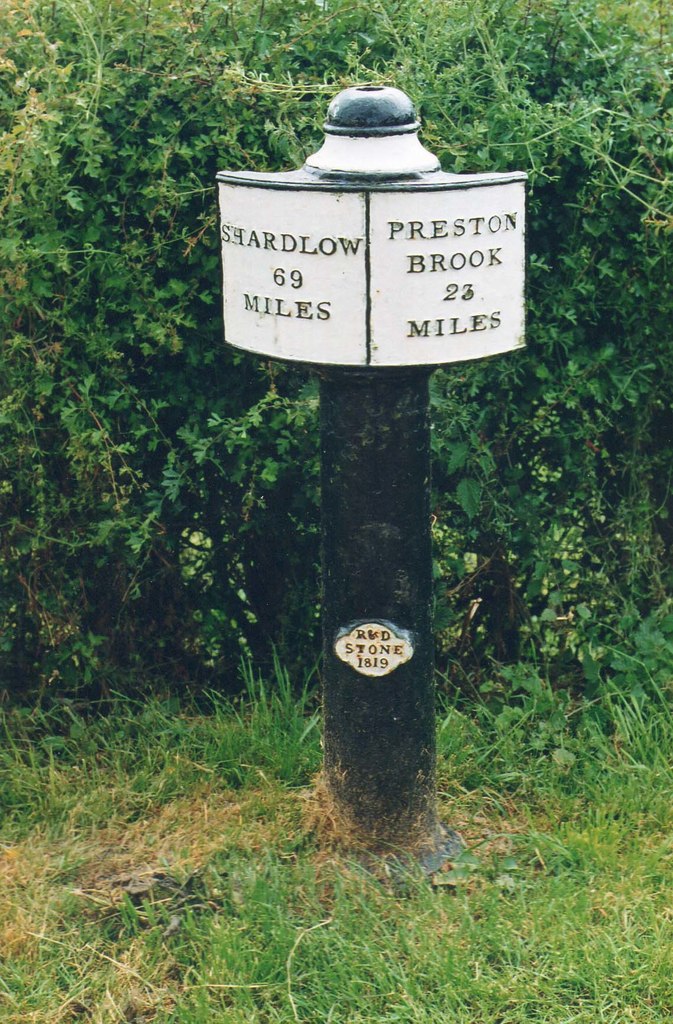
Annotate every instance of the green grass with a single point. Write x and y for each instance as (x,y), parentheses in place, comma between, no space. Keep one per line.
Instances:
(156,865)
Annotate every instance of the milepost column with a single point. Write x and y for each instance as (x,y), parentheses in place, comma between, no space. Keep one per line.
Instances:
(378,657)
(372,267)
(378,664)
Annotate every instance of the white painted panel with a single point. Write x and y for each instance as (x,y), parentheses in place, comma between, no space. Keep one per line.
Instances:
(294,273)
(396,154)
(447,274)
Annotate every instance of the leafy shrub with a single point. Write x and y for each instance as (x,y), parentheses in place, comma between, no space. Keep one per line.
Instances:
(159,494)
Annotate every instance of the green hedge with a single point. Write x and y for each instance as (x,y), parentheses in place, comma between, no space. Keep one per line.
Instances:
(159,494)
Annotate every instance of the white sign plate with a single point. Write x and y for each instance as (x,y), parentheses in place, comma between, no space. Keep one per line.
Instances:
(447,273)
(374,648)
(408,276)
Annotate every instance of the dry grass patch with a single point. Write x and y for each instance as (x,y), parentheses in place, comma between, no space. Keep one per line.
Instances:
(186,832)
(152,861)
(27,871)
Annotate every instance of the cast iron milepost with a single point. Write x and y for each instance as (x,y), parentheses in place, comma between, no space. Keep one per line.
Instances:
(379,745)
(374,267)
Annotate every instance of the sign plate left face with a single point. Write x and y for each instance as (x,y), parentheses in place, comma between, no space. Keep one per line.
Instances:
(294,273)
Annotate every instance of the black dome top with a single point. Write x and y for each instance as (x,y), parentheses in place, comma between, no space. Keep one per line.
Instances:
(369,110)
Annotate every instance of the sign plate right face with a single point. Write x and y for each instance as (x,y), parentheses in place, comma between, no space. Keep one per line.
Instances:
(447,274)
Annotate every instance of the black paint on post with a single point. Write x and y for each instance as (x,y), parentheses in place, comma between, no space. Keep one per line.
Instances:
(379,766)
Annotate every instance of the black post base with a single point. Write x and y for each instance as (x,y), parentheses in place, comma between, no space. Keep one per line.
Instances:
(441,849)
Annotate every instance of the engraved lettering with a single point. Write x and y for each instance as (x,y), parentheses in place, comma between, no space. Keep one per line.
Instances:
(417,330)
(350,245)
(439,262)
(307,245)
(300,309)
(412,229)
(307,252)
(454,325)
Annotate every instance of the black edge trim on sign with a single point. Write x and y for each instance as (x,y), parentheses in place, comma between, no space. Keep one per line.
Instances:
(437,181)
(368,278)
(222,274)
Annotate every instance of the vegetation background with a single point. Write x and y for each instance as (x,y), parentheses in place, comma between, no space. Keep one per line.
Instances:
(159,501)
(159,494)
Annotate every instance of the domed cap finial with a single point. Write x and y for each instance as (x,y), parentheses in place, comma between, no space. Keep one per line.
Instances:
(372,132)
(366,111)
